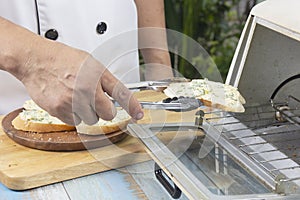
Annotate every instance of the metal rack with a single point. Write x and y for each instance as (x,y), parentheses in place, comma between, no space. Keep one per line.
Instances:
(273,145)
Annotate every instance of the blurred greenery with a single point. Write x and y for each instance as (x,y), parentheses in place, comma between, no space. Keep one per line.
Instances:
(215,24)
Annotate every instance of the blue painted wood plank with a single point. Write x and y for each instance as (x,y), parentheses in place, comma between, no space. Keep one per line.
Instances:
(7,194)
(49,192)
(111,184)
(55,191)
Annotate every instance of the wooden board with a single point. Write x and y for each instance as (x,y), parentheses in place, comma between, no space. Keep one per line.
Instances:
(58,141)
(24,168)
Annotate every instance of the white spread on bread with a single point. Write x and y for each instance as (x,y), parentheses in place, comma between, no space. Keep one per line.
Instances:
(32,112)
(226,96)
(35,119)
(39,116)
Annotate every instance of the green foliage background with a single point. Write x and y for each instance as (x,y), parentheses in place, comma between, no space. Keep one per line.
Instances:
(215,24)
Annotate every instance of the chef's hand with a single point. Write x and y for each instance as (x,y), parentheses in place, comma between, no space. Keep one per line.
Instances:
(71,83)
(68,83)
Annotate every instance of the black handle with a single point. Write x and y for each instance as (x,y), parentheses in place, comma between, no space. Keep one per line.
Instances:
(175,192)
(282,84)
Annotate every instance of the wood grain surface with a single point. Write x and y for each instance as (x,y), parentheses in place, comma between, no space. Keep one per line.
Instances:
(23,168)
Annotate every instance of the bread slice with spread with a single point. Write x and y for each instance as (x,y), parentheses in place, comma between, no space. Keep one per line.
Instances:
(35,119)
(212,94)
(104,127)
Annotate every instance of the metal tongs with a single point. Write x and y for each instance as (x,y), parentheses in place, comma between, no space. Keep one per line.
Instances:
(180,104)
(173,104)
(155,85)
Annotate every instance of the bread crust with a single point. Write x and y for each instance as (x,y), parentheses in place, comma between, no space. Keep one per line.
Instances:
(23,125)
(102,130)
(238,109)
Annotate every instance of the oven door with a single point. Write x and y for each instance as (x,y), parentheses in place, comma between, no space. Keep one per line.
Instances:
(249,156)
(194,161)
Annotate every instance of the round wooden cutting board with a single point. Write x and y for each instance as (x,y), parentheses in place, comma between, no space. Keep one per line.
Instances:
(58,141)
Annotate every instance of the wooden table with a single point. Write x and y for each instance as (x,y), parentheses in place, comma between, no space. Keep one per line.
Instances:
(136,181)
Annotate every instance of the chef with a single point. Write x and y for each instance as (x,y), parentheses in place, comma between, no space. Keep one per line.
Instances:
(45,44)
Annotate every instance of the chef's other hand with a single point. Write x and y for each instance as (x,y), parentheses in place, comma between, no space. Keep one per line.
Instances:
(68,83)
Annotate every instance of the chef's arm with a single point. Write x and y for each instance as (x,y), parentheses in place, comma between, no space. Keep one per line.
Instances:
(50,72)
(15,47)
(151,17)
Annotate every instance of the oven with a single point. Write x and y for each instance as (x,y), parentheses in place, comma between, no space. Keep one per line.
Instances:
(250,155)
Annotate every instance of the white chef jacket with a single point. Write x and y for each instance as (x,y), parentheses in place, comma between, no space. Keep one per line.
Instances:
(75,23)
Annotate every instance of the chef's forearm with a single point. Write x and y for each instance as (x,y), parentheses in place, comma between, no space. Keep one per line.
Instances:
(16,47)
(151,17)
(151,13)
(157,64)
